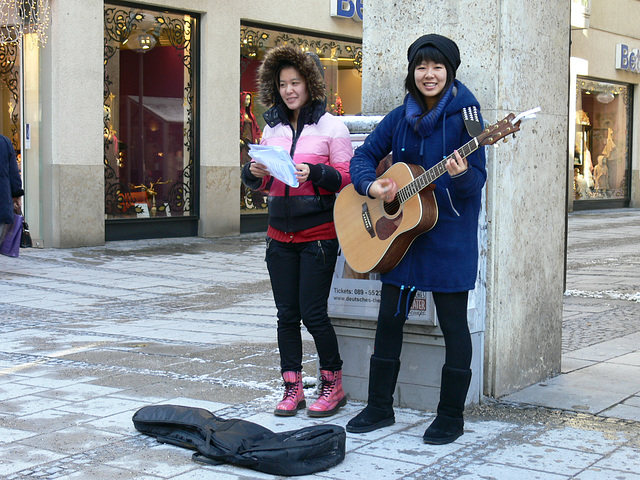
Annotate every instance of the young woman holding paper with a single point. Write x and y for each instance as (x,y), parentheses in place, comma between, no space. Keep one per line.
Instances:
(302,245)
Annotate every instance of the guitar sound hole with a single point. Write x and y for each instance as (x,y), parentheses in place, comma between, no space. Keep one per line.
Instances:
(392,207)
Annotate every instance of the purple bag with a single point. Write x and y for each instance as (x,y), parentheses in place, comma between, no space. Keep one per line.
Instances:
(11,243)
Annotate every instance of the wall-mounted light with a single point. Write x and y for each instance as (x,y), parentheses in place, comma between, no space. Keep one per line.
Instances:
(140,42)
(605,97)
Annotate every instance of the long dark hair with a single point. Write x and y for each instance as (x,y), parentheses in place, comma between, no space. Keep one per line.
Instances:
(426,54)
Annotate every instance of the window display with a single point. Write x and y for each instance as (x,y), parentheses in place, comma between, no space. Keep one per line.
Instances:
(601,158)
(342,62)
(20,100)
(10,82)
(149,85)
(250,134)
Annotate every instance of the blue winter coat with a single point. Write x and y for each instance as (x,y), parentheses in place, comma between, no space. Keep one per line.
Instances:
(444,259)
(10,181)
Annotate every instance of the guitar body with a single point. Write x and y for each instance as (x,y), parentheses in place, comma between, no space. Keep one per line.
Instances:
(375,235)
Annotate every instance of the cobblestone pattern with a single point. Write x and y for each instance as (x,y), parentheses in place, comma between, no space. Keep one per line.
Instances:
(603,262)
(590,329)
(76,463)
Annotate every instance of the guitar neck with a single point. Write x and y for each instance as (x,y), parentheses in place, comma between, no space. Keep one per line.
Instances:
(428,177)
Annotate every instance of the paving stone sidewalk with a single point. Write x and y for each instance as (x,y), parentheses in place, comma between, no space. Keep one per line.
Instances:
(89,335)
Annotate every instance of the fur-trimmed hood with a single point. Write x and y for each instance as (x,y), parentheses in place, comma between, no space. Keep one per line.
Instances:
(308,64)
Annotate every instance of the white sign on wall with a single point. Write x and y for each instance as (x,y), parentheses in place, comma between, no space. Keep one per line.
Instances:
(355,295)
(27,136)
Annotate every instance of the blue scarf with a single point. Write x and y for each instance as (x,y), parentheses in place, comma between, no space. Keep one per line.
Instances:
(428,122)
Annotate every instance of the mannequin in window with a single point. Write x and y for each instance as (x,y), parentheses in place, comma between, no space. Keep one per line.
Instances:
(580,186)
(582,156)
(249,134)
(601,174)
(610,145)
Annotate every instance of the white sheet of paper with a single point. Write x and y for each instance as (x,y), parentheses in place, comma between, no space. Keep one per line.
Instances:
(528,115)
(278,162)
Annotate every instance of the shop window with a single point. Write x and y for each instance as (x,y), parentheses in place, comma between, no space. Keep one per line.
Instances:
(342,61)
(10,92)
(603,125)
(149,96)
(20,119)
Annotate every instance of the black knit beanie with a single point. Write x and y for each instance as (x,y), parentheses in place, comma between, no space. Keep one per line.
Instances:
(445,45)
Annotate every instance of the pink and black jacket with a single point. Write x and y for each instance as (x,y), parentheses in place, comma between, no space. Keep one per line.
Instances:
(320,140)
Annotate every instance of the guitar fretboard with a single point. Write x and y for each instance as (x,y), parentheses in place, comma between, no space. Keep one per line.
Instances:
(428,177)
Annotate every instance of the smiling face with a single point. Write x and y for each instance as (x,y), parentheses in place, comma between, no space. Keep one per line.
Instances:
(293,89)
(430,78)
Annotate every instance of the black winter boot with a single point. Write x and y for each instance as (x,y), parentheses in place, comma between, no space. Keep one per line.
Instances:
(383,374)
(449,422)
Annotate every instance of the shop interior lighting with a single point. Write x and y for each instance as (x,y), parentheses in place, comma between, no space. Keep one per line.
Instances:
(22,17)
(141,42)
(605,97)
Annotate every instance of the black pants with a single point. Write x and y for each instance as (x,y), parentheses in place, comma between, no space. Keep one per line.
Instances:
(452,315)
(301,276)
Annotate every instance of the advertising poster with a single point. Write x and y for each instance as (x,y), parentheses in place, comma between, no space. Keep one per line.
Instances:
(357,295)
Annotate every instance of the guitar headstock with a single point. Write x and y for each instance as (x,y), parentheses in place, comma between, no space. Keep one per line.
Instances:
(495,132)
(505,127)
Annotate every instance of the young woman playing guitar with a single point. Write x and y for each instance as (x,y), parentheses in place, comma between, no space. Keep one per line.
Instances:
(424,130)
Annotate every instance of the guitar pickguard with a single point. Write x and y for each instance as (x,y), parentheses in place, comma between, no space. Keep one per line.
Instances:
(386,227)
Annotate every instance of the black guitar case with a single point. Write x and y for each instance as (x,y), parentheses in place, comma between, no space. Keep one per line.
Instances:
(296,452)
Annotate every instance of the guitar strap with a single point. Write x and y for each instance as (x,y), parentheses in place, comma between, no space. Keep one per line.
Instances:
(472,121)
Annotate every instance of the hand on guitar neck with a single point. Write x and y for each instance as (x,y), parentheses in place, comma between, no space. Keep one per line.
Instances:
(456,165)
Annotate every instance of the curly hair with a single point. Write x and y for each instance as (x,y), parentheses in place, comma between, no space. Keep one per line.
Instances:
(289,56)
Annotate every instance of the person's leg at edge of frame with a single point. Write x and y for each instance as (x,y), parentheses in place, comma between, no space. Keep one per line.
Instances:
(284,267)
(384,364)
(456,372)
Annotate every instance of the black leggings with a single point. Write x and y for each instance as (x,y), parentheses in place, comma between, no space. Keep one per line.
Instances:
(301,276)
(452,316)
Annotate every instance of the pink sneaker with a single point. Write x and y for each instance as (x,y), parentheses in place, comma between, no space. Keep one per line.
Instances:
(293,399)
(331,397)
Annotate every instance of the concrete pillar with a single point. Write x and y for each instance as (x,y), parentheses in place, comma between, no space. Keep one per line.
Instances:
(72,145)
(515,56)
(219,137)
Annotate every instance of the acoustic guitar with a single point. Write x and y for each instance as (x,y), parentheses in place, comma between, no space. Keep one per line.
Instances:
(374,235)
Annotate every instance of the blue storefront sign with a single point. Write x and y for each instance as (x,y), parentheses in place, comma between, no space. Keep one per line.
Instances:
(347,9)
(627,58)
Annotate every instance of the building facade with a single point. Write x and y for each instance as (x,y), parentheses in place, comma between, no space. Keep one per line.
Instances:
(604,162)
(140,133)
(133,119)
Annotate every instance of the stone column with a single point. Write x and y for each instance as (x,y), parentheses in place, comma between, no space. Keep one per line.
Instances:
(219,127)
(515,56)
(72,144)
